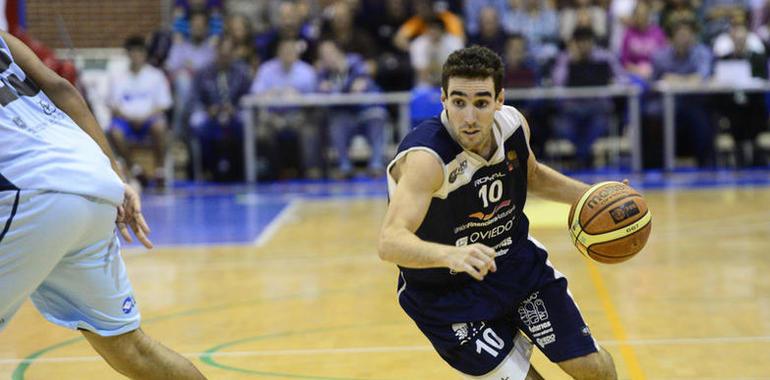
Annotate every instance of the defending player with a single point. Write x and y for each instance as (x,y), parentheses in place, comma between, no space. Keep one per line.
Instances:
(471,277)
(60,196)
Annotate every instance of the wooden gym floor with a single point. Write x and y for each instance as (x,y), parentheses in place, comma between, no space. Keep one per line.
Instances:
(305,296)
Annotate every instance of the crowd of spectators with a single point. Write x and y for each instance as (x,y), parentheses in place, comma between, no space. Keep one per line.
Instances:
(221,50)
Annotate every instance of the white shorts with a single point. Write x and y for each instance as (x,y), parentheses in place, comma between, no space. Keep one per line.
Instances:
(62,251)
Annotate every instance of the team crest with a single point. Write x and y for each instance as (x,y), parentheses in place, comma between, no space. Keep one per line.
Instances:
(513,160)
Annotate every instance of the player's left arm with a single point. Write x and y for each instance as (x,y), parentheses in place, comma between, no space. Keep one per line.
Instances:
(548,183)
(61,92)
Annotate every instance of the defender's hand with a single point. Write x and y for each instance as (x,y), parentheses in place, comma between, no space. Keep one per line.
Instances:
(130,213)
(475,259)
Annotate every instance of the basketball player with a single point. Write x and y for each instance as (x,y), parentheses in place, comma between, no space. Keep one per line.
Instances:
(471,277)
(59,197)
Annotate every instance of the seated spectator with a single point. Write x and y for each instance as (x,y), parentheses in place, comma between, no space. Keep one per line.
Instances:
(583,14)
(239,29)
(522,71)
(182,10)
(490,33)
(747,112)
(472,13)
(688,61)
(184,60)
(539,23)
(718,14)
(641,40)
(284,76)
(724,44)
(418,24)
(582,121)
(138,100)
(290,24)
(382,19)
(338,26)
(347,73)
(429,51)
(217,122)
(677,11)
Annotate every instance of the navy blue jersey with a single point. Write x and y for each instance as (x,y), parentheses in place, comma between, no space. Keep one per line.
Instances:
(480,201)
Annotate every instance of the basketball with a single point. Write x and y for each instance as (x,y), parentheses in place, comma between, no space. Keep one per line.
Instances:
(610,223)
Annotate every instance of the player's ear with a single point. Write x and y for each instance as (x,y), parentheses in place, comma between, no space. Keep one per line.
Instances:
(443,97)
(500,101)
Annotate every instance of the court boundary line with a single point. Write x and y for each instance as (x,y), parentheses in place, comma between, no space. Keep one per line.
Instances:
(278,221)
(385,349)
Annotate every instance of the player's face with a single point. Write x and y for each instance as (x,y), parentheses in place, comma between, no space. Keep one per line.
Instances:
(471,105)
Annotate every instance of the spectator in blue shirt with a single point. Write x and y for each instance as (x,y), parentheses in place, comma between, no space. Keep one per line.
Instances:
(687,61)
(347,73)
(284,76)
(217,123)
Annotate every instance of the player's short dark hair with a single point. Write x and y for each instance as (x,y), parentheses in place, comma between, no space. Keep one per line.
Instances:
(475,62)
(134,42)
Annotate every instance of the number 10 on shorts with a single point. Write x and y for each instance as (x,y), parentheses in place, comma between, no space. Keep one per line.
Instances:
(489,343)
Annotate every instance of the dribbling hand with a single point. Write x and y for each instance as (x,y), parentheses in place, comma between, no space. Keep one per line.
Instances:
(476,259)
(130,215)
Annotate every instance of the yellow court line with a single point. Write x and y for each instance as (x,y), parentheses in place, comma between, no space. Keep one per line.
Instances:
(626,351)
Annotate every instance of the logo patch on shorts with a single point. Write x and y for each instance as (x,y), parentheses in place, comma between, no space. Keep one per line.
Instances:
(128,304)
(464,332)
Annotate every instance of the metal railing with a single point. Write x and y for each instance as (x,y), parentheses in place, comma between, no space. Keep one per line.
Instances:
(260,104)
(669,93)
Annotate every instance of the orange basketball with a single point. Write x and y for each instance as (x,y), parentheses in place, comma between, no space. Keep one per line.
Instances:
(610,223)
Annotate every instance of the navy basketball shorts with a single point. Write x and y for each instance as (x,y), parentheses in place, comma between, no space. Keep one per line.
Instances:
(547,315)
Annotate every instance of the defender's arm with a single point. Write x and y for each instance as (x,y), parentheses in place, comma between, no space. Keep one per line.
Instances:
(61,92)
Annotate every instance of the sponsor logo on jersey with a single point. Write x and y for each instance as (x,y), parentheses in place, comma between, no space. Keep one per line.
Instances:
(490,233)
(533,313)
(513,160)
(482,216)
(128,304)
(48,108)
(488,178)
(460,169)
(486,223)
(624,211)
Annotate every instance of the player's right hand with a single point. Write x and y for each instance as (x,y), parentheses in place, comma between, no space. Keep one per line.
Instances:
(476,259)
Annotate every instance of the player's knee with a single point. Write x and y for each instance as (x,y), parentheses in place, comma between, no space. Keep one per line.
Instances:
(595,366)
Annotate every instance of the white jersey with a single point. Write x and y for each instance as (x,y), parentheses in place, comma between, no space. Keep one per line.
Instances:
(41,147)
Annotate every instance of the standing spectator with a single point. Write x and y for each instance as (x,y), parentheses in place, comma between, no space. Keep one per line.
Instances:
(217,123)
(429,51)
(582,121)
(138,100)
(347,73)
(418,24)
(640,41)
(746,112)
(688,61)
(284,76)
(490,33)
(538,22)
(185,59)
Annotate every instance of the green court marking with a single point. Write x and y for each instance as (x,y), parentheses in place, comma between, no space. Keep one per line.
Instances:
(21,369)
(207,356)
